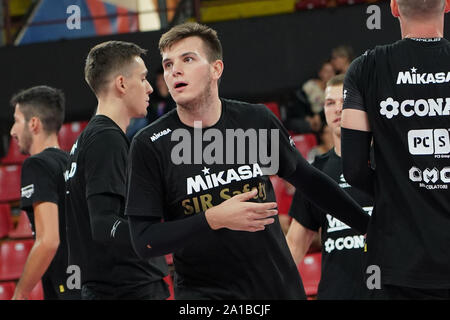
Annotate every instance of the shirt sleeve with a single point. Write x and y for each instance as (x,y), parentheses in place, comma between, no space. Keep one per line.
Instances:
(38,184)
(353,93)
(304,212)
(145,189)
(105,160)
(283,152)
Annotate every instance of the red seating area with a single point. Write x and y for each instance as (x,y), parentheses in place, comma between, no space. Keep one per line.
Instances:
(6,223)
(310,271)
(14,156)
(304,143)
(7,291)
(16,238)
(23,228)
(13,255)
(69,133)
(10,183)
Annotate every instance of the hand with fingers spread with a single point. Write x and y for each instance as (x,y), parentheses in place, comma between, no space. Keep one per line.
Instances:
(240,215)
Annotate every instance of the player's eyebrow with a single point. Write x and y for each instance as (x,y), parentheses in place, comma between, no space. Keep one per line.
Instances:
(182,55)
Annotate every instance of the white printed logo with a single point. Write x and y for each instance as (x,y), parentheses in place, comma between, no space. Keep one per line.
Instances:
(158,135)
(412,77)
(349,242)
(422,107)
(27,192)
(337,225)
(209,181)
(428,178)
(343,183)
(429,141)
(389,108)
(69,174)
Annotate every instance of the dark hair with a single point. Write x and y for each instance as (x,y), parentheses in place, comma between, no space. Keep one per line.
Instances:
(421,9)
(336,80)
(106,58)
(43,102)
(192,29)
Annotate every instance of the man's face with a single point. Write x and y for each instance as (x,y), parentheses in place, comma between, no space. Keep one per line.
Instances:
(334,99)
(187,71)
(138,88)
(326,72)
(340,63)
(21,132)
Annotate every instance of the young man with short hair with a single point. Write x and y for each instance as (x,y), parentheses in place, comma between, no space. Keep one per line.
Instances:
(38,116)
(343,258)
(98,234)
(225,247)
(398,95)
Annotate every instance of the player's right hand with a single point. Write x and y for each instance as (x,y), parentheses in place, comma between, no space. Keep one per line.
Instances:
(238,214)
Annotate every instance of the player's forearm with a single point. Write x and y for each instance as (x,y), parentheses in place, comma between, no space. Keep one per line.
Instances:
(152,238)
(314,184)
(356,159)
(299,242)
(38,261)
(107,225)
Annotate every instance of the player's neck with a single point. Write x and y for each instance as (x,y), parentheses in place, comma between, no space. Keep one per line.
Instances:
(422,29)
(207,111)
(115,110)
(42,142)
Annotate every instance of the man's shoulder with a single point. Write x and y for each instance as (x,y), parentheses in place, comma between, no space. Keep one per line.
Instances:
(245,111)
(159,128)
(50,160)
(242,106)
(100,128)
(322,159)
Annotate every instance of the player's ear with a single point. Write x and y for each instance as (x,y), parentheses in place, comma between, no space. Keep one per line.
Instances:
(217,67)
(34,125)
(394,8)
(119,84)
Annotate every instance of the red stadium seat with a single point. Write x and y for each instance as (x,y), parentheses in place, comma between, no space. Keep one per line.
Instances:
(69,133)
(6,223)
(304,143)
(273,106)
(7,290)
(169,282)
(10,183)
(310,271)
(14,156)
(169,259)
(348,2)
(284,198)
(23,228)
(13,255)
(310,4)
(37,293)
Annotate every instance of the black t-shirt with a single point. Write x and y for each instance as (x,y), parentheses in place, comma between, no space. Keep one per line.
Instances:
(42,180)
(221,264)
(343,259)
(405,90)
(97,165)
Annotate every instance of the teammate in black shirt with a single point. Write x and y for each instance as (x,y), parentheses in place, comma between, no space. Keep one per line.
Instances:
(225,247)
(343,269)
(98,235)
(399,95)
(38,116)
